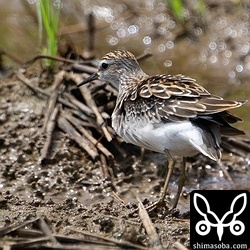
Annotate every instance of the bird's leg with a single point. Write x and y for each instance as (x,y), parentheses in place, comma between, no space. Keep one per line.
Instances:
(170,171)
(181,182)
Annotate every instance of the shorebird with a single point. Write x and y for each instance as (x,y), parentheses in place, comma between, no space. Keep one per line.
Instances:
(170,114)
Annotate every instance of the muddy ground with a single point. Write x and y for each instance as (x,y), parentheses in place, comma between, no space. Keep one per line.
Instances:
(70,195)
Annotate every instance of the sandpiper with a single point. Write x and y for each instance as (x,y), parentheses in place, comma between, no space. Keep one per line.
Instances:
(170,114)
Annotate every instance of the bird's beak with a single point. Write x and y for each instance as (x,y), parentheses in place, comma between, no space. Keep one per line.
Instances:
(89,79)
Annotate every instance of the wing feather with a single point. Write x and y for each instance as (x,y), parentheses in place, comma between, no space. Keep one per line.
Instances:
(177,98)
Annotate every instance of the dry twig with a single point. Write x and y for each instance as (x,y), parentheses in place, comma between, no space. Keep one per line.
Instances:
(55,58)
(38,90)
(46,230)
(49,131)
(53,98)
(27,82)
(149,227)
(179,246)
(91,103)
(9,229)
(84,132)
(81,141)
(120,243)
(84,108)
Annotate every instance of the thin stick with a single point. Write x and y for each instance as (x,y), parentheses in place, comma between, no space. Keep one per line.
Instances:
(49,109)
(104,167)
(239,144)
(149,227)
(69,61)
(91,33)
(87,242)
(10,229)
(116,196)
(179,246)
(66,103)
(49,131)
(225,172)
(235,146)
(55,58)
(81,141)
(83,119)
(29,233)
(114,241)
(91,103)
(27,82)
(51,114)
(85,109)
(77,123)
(38,90)
(47,232)
(35,243)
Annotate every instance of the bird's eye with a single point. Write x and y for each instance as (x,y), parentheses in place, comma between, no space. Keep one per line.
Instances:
(104,65)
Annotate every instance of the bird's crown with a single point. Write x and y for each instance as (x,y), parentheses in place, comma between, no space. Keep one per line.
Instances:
(119,54)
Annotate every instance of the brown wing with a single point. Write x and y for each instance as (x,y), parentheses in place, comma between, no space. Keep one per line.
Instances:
(179,98)
(167,86)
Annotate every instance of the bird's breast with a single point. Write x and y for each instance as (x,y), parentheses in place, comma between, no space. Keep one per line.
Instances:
(158,136)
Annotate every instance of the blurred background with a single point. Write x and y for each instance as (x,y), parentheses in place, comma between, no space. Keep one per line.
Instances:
(205,39)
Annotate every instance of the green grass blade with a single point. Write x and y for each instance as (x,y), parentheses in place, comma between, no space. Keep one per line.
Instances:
(48,17)
(177,8)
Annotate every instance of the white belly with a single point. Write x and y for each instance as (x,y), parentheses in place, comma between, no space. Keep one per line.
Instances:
(180,139)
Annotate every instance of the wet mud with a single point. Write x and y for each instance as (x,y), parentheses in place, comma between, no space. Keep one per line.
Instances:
(73,195)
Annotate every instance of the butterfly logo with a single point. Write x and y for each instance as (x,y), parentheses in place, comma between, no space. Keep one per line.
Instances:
(203,227)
